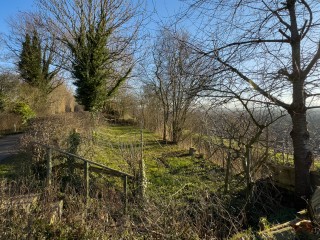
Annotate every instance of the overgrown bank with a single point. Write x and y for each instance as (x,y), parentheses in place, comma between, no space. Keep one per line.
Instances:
(185,197)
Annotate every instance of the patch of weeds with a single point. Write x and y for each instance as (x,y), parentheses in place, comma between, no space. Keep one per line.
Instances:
(244,235)
(264,223)
(5,170)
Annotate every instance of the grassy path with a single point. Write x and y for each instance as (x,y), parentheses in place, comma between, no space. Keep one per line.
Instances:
(169,168)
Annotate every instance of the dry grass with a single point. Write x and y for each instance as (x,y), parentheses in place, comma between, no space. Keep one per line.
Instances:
(183,199)
(41,220)
(10,122)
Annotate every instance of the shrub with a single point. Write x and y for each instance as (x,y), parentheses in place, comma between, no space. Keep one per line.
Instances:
(25,111)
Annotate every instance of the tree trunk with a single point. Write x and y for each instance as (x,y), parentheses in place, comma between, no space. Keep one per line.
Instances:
(302,157)
(164,134)
(299,134)
(165,122)
(176,132)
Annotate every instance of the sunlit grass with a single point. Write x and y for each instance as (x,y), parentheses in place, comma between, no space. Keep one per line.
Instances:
(169,168)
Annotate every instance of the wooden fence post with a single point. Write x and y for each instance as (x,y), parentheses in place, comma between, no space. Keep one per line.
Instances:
(125,194)
(142,174)
(248,167)
(49,165)
(87,179)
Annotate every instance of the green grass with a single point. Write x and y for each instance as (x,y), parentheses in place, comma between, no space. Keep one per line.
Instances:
(175,178)
(287,160)
(170,170)
(173,175)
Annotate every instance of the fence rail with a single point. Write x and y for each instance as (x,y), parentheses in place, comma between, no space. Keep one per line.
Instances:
(87,166)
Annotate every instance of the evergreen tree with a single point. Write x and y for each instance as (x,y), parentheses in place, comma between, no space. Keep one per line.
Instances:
(101,37)
(34,66)
(30,60)
(92,66)
(90,57)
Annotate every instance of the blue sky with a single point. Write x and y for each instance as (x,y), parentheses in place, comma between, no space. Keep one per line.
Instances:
(160,12)
(161,9)
(10,8)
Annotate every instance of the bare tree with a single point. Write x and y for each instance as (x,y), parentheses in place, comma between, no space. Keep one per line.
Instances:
(179,77)
(152,118)
(270,48)
(239,130)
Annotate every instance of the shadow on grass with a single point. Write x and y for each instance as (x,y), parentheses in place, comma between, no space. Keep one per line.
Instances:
(14,166)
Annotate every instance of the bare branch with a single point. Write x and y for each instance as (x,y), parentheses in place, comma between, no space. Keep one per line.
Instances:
(254,41)
(254,85)
(313,61)
(275,12)
(313,107)
(305,29)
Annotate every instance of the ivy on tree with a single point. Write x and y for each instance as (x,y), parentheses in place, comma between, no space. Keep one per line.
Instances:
(96,78)
(100,38)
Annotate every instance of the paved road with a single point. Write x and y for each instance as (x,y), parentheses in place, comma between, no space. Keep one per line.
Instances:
(9,145)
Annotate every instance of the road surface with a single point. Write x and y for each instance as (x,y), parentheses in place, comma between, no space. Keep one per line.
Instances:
(9,145)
